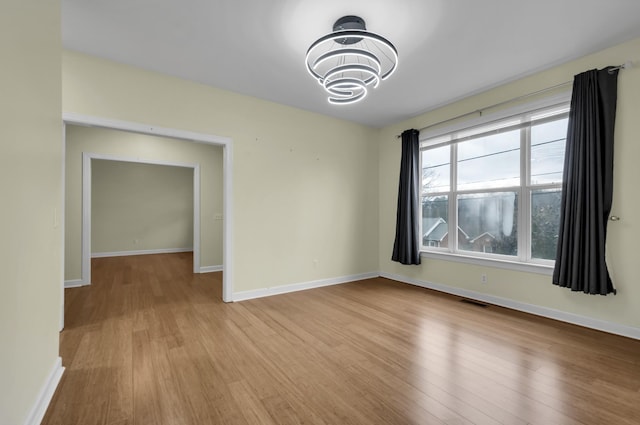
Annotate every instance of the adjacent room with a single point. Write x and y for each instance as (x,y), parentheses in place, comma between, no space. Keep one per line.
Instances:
(338,212)
(137,194)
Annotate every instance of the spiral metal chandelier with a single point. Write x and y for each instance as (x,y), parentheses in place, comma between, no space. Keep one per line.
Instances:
(350,60)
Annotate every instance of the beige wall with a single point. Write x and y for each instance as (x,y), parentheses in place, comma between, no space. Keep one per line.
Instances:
(145,147)
(304,185)
(138,206)
(530,288)
(31,187)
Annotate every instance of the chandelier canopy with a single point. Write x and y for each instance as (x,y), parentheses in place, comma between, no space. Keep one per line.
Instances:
(350,60)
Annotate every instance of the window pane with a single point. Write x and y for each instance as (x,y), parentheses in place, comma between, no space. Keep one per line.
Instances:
(435,169)
(435,210)
(545,220)
(487,222)
(489,162)
(547,151)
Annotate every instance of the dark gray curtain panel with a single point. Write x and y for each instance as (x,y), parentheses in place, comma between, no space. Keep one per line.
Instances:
(587,189)
(406,248)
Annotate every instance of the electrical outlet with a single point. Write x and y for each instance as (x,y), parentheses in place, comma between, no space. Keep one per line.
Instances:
(483,278)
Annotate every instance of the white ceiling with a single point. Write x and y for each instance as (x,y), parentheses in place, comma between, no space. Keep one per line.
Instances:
(448,49)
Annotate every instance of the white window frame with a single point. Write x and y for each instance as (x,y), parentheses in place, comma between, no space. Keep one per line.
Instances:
(523,262)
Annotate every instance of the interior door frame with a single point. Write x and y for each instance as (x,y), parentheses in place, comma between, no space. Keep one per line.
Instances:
(188,136)
(87,195)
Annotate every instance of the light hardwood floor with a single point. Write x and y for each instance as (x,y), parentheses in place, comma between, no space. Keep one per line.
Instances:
(151,343)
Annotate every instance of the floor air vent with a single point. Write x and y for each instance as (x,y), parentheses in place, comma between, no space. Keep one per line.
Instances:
(472,302)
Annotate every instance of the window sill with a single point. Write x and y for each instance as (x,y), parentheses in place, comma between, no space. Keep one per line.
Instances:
(544,269)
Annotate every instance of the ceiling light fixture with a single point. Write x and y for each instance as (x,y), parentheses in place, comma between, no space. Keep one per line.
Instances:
(349,60)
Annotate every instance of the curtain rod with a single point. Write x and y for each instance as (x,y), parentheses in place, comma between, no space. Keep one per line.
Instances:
(625,65)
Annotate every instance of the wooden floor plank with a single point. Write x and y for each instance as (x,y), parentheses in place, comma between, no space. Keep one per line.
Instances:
(149,342)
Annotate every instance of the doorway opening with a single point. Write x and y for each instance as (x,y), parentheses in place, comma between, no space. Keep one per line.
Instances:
(87,206)
(188,137)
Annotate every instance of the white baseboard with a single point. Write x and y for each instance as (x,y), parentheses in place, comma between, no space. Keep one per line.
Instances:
(46,394)
(139,252)
(277,290)
(210,269)
(587,322)
(75,283)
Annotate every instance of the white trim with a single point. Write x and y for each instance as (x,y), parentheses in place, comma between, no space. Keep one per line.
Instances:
(588,322)
(196,218)
(74,283)
(464,124)
(210,269)
(225,142)
(133,127)
(61,219)
(140,252)
(530,267)
(278,290)
(46,394)
(227,231)
(85,273)
(138,160)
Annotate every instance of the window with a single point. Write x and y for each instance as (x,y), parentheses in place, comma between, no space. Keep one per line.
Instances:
(492,190)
